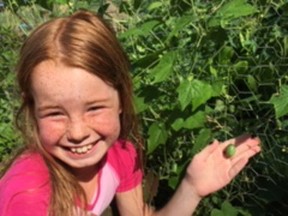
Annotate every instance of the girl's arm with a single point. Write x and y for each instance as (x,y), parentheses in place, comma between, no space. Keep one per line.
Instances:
(131,203)
(209,171)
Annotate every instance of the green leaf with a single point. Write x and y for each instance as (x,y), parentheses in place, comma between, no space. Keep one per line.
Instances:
(241,67)
(213,71)
(226,55)
(252,82)
(193,92)
(140,104)
(280,101)
(217,212)
(195,121)
(184,93)
(164,68)
(201,92)
(203,138)
(59,1)
(173,181)
(155,5)
(180,24)
(157,135)
(228,209)
(177,124)
(232,10)
(142,30)
(218,88)
(147,60)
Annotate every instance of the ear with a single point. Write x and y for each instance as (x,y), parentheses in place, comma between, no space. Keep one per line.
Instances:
(120,110)
(120,104)
(23,96)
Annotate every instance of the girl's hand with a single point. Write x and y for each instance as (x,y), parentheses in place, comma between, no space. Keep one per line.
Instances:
(211,170)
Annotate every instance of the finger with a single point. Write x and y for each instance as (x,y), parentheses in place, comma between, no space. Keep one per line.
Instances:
(237,167)
(239,162)
(237,140)
(242,142)
(251,144)
(246,154)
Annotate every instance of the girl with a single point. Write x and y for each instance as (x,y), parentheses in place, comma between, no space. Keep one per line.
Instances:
(78,121)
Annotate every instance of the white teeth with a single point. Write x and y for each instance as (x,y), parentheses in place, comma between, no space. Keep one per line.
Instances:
(79,150)
(82,150)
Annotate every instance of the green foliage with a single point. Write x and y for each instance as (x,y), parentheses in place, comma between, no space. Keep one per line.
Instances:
(226,210)
(279,100)
(225,64)
(202,70)
(9,44)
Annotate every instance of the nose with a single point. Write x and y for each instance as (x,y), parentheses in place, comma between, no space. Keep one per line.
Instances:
(77,131)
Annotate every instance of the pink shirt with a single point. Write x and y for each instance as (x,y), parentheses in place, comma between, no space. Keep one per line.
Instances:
(25,188)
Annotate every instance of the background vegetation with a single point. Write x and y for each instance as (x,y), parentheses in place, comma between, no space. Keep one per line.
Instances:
(202,70)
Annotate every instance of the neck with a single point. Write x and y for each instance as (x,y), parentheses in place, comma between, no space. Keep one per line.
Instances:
(85,174)
(88,179)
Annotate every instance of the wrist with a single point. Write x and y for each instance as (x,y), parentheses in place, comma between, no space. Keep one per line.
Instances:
(188,187)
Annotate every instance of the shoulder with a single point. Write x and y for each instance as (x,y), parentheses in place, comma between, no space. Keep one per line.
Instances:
(24,183)
(122,147)
(123,157)
(28,166)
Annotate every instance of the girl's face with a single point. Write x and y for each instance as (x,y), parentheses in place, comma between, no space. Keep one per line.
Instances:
(77,113)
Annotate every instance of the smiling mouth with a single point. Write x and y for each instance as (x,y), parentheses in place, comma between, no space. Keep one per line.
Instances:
(81,150)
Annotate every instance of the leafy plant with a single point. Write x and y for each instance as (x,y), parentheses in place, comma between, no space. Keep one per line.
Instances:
(205,70)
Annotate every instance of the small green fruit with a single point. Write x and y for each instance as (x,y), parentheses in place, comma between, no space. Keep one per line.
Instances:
(230,150)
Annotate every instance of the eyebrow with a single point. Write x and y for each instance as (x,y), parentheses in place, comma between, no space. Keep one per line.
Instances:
(46,107)
(89,103)
(101,100)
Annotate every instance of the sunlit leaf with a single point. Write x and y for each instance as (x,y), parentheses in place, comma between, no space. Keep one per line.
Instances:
(184,93)
(232,10)
(155,5)
(178,124)
(142,30)
(201,92)
(193,92)
(195,121)
(180,24)
(280,102)
(164,68)
(203,138)
(140,104)
(157,136)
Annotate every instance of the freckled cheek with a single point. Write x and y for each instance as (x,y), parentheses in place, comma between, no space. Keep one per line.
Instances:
(50,133)
(107,124)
